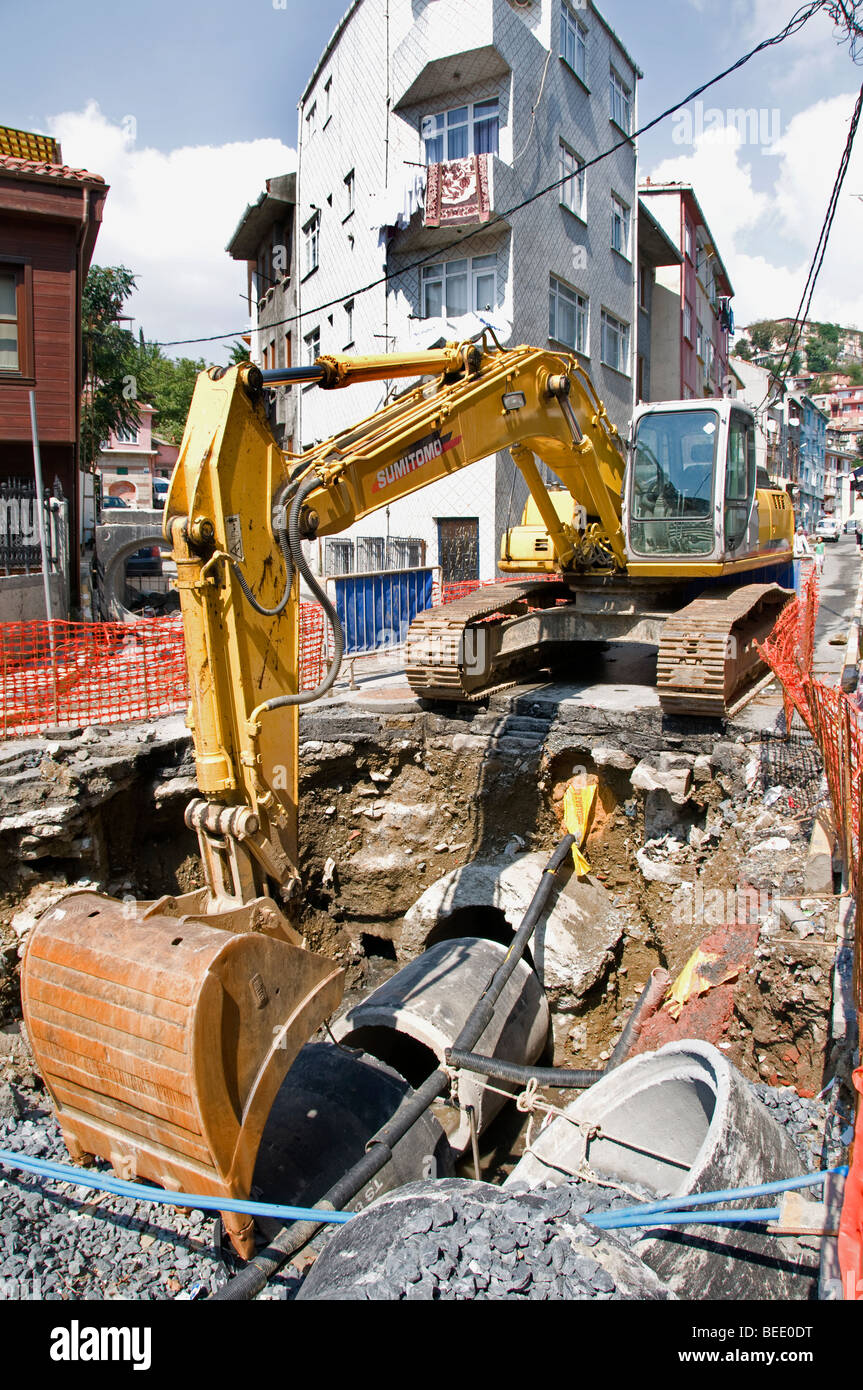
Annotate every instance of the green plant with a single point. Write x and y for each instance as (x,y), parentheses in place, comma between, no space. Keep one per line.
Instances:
(110,396)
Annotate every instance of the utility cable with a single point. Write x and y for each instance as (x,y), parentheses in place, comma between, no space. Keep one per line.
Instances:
(803,307)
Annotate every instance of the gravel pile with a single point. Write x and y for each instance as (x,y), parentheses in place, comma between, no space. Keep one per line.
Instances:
(74,1244)
(456,1239)
(805,1121)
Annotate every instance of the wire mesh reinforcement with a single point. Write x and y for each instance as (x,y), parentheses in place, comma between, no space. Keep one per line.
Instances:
(78,674)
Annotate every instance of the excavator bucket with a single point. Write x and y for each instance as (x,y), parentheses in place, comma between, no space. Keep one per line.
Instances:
(163,1039)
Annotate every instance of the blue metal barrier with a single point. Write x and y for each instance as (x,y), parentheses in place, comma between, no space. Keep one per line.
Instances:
(376,610)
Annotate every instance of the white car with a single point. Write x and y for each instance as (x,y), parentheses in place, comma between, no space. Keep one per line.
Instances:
(828,529)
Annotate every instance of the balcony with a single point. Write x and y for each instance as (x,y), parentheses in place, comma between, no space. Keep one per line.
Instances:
(502,193)
(453,46)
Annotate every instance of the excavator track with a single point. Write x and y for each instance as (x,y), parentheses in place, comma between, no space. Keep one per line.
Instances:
(452,649)
(708,659)
(708,663)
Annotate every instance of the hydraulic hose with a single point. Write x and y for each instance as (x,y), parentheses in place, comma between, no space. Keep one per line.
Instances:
(305,697)
(291,1239)
(284,546)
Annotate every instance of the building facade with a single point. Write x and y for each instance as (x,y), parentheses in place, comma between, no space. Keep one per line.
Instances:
(50,216)
(655,249)
(265,240)
(512,97)
(691,318)
(129,461)
(807,440)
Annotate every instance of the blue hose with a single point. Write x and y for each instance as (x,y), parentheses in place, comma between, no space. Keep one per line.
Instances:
(138,1192)
(620,1218)
(612,1222)
(731,1194)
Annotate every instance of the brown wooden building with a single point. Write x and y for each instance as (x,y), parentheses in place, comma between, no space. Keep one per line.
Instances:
(49,220)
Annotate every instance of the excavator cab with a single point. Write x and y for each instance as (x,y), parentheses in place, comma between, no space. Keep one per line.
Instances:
(691,488)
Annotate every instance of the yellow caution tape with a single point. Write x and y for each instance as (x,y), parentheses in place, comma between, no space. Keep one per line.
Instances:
(577,810)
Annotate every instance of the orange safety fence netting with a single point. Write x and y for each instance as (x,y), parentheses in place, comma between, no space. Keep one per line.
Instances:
(835,721)
(789,648)
(62,673)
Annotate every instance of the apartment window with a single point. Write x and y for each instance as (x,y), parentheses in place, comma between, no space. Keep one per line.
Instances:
(312,345)
(349,194)
(573,42)
(573,181)
(311,120)
(615,343)
(349,323)
(699,338)
(311,244)
(16,321)
(288,346)
(619,226)
(126,434)
(471,129)
(621,102)
(687,239)
(687,321)
(451,288)
(10,323)
(567,316)
(328,99)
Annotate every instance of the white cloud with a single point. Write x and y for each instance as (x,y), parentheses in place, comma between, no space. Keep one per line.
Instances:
(168,218)
(766,238)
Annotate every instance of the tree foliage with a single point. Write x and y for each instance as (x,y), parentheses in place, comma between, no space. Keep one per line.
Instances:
(763,334)
(818,358)
(239,353)
(109,401)
(167,384)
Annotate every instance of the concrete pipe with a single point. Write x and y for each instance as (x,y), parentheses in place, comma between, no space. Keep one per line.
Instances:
(678,1121)
(329,1105)
(411,1020)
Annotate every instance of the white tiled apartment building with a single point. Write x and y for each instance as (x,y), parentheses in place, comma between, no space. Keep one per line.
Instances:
(540,88)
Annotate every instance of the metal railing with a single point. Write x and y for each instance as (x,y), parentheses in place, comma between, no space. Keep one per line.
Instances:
(20,549)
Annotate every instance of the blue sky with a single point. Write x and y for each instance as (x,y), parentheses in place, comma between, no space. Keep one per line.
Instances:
(188,105)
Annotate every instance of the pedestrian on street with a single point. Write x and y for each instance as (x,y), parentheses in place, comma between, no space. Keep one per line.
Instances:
(819,554)
(859,530)
(802,548)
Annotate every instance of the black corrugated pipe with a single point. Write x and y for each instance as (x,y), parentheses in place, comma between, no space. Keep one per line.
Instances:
(565,1078)
(568,1078)
(291,1239)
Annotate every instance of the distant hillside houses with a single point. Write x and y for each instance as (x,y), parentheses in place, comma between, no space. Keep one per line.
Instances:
(823,347)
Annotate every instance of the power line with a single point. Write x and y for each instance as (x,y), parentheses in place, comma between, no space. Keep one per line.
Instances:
(844,14)
(793,340)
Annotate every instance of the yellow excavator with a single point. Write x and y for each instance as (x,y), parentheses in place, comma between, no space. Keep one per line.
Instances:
(164,1032)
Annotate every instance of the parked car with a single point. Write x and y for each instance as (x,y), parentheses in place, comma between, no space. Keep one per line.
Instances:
(160,491)
(147,560)
(108,502)
(851,524)
(828,529)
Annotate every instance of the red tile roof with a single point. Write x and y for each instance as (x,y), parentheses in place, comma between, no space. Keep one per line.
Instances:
(41,169)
